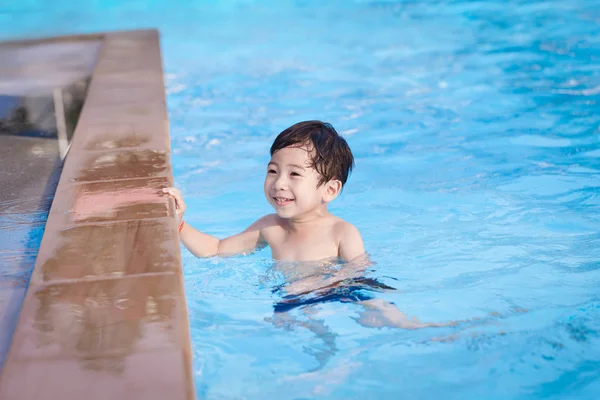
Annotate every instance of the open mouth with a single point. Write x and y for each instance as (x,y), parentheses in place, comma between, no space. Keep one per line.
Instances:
(282,201)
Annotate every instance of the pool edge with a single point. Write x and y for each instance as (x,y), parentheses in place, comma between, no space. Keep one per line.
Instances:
(105,314)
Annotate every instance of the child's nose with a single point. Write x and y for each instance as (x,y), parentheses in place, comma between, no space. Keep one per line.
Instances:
(281,182)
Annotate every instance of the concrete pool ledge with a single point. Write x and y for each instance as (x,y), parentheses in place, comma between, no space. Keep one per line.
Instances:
(105,314)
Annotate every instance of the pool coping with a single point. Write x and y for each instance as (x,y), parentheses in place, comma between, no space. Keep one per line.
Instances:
(105,313)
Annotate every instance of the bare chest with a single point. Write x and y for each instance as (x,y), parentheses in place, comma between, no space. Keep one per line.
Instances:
(316,244)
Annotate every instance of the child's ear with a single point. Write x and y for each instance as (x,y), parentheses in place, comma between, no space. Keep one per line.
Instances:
(332,189)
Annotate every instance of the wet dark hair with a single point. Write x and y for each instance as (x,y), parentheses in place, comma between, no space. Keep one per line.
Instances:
(329,153)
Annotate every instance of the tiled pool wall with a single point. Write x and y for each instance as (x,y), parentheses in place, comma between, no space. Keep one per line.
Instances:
(105,314)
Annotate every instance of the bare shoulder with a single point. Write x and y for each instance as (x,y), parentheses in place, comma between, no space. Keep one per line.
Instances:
(344,228)
(268,221)
(350,243)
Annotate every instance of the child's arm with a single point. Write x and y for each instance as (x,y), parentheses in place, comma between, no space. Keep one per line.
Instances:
(203,245)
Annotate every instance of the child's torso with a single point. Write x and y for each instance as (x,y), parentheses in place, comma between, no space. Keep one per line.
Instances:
(316,243)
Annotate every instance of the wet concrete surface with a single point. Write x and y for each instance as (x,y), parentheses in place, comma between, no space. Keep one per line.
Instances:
(105,315)
(124,165)
(27,165)
(109,251)
(29,174)
(108,317)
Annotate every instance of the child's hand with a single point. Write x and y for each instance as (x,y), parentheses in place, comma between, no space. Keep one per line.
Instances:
(179,203)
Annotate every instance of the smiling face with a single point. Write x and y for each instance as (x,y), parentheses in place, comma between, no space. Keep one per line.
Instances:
(291,185)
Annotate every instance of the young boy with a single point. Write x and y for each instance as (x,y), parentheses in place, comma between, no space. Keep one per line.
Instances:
(309,166)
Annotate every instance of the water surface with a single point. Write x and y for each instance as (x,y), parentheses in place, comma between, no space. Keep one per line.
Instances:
(475,130)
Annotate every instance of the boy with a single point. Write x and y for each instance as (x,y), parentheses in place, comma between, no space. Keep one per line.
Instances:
(309,166)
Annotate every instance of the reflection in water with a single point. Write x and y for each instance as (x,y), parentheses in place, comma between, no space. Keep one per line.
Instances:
(22,212)
(21,229)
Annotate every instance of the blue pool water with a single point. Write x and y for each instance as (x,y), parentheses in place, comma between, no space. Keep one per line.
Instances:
(476,131)
(21,230)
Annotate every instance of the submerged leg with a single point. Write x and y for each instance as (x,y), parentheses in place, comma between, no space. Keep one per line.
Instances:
(379,313)
(316,326)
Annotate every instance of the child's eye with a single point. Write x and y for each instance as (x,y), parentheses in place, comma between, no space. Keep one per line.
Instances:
(295,174)
(271,171)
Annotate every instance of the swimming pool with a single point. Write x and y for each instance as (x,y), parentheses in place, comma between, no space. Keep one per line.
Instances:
(475,131)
